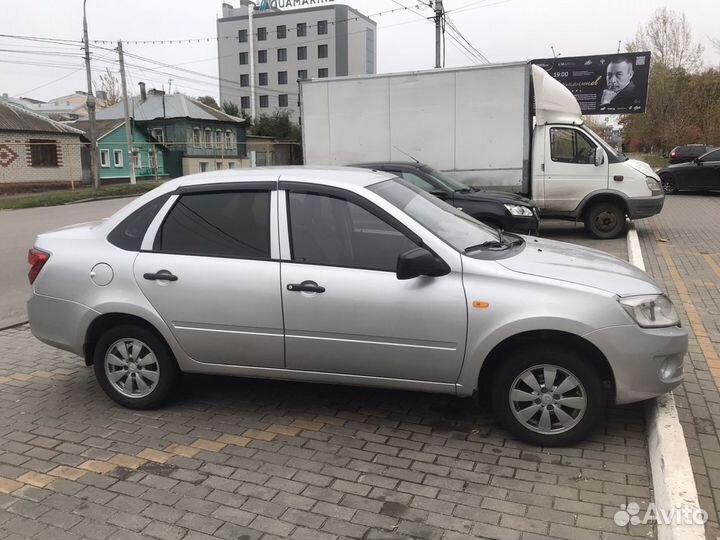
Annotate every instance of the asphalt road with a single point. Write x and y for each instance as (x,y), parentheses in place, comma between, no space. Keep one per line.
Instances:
(18,229)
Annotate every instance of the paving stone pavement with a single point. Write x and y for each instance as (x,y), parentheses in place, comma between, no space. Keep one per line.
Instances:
(250,459)
(681,248)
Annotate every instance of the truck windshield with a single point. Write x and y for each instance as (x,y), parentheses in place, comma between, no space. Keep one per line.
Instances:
(449,182)
(609,149)
(450,224)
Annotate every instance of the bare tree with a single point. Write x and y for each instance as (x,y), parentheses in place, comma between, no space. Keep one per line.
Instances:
(669,38)
(109,84)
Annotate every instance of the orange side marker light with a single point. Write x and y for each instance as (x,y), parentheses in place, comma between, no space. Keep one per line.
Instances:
(480,304)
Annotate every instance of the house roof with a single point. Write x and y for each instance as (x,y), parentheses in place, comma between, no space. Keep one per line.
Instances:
(15,118)
(174,106)
(102,127)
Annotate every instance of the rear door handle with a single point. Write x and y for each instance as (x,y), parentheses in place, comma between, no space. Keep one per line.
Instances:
(162,275)
(305,286)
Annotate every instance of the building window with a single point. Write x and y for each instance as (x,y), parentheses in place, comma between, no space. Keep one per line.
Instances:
(244,79)
(322,72)
(242,36)
(282,77)
(283,100)
(244,102)
(263,79)
(262,33)
(262,56)
(104,158)
(229,140)
(322,27)
(322,51)
(301,29)
(282,55)
(231,164)
(137,159)
(218,138)
(208,138)
(152,159)
(264,102)
(302,53)
(43,153)
(243,57)
(218,165)
(158,134)
(197,137)
(281,31)
(203,166)
(302,74)
(118,158)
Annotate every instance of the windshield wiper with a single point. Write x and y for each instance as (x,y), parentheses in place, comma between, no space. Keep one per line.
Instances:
(463,190)
(493,245)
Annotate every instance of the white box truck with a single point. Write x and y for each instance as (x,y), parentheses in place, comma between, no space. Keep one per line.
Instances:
(505,126)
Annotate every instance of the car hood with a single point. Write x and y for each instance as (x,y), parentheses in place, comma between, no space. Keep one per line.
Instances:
(501,197)
(642,167)
(683,165)
(580,265)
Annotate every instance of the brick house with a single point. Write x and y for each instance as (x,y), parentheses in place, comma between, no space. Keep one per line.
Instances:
(37,150)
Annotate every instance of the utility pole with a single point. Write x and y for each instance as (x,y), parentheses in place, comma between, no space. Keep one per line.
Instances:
(91,107)
(251,39)
(438,30)
(126,107)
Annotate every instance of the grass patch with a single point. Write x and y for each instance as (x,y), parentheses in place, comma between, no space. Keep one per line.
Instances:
(63,197)
(654,160)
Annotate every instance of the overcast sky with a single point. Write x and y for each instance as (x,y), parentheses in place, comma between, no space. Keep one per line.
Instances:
(502,30)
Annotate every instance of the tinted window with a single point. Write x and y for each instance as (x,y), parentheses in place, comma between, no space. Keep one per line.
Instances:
(414,179)
(230,224)
(336,232)
(129,234)
(571,146)
(712,156)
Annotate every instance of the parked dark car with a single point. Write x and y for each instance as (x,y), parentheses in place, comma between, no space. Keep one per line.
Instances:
(499,209)
(700,174)
(688,152)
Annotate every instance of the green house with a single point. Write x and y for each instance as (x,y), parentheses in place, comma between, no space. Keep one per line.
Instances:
(113,158)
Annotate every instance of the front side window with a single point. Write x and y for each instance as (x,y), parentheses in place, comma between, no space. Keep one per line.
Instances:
(333,231)
(322,51)
(43,153)
(104,158)
(712,156)
(570,146)
(232,224)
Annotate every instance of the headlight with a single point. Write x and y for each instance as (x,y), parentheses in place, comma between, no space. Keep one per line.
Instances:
(517,210)
(651,311)
(653,184)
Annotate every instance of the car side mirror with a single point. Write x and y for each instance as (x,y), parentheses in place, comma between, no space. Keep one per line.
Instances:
(599,157)
(420,262)
(439,193)
(697,161)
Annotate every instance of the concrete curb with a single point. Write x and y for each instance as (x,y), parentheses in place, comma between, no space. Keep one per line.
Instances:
(12,324)
(672,476)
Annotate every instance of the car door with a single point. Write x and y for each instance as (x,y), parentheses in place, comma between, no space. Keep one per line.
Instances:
(570,170)
(345,310)
(210,273)
(707,171)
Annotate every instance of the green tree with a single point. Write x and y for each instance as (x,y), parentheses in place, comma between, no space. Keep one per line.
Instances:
(230,108)
(209,101)
(277,124)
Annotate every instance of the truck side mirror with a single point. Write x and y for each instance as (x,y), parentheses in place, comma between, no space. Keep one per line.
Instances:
(599,156)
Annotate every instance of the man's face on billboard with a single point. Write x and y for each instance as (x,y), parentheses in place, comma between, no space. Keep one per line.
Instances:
(619,75)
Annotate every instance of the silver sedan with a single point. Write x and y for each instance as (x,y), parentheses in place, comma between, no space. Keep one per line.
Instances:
(349,276)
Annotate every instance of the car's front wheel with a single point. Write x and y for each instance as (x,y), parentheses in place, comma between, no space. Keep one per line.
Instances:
(547,396)
(134,367)
(605,220)
(668,184)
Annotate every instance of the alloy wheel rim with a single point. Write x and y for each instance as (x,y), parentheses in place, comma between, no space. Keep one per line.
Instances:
(547,399)
(132,368)
(667,185)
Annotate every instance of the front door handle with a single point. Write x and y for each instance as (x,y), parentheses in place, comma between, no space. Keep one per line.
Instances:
(305,286)
(163,275)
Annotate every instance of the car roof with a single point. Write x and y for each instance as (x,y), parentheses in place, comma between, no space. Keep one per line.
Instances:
(369,164)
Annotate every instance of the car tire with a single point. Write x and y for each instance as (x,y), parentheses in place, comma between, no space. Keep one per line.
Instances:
(559,414)
(605,220)
(668,184)
(135,367)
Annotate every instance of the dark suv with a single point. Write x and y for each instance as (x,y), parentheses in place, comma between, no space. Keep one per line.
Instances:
(688,152)
(499,209)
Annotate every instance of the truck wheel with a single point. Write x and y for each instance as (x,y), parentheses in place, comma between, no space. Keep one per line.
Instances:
(547,396)
(134,367)
(668,184)
(605,220)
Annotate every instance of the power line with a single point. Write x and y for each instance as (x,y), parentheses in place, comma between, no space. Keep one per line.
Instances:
(473,50)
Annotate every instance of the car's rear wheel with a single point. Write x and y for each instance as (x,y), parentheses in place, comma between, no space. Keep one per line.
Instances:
(605,220)
(134,367)
(547,396)
(668,184)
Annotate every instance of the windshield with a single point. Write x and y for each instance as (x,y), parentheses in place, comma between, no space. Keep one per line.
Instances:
(445,179)
(447,222)
(609,149)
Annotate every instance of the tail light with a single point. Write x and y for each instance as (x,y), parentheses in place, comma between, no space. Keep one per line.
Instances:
(36,259)
(672,154)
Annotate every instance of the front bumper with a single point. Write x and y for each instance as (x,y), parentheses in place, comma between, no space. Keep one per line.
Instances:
(642,207)
(645,362)
(521,224)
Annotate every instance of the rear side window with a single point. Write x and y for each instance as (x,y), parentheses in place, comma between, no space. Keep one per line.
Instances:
(712,156)
(129,234)
(219,224)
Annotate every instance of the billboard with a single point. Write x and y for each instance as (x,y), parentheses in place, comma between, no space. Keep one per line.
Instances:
(605,83)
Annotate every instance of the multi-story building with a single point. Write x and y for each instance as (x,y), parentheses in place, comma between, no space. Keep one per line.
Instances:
(327,40)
